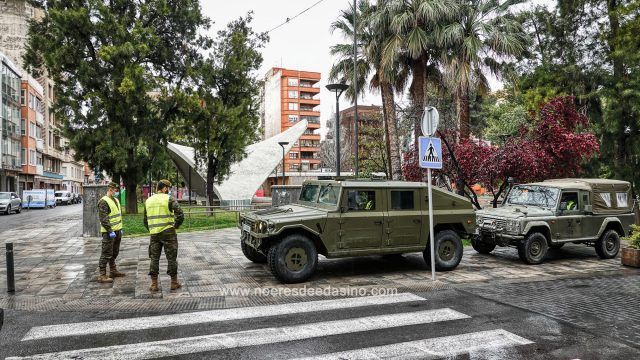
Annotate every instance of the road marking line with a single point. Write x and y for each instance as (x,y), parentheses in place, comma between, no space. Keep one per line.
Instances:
(434,348)
(198,344)
(154,322)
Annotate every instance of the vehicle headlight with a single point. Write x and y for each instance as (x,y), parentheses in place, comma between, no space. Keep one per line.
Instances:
(513,226)
(261,227)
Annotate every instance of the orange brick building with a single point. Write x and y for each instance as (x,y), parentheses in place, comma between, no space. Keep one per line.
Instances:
(32,121)
(290,96)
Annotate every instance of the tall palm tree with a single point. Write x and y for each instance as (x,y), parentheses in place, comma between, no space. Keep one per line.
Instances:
(369,64)
(413,44)
(483,35)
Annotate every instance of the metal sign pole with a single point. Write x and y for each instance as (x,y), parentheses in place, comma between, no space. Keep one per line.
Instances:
(431,242)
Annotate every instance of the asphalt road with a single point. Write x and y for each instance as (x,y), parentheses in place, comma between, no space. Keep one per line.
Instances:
(446,323)
(30,216)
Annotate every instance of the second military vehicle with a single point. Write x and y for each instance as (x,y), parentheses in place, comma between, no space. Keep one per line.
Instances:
(549,214)
(355,218)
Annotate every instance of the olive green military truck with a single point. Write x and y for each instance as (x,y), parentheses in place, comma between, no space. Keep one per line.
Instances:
(549,214)
(355,218)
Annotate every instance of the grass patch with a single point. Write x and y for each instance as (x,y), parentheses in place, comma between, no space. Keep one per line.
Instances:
(193,221)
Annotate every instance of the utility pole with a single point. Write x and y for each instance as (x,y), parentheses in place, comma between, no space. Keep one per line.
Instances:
(355,82)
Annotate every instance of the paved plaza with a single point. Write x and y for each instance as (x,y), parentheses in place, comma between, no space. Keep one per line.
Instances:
(56,268)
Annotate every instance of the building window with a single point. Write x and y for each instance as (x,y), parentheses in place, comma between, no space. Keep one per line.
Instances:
(293,94)
(32,101)
(23,128)
(32,129)
(293,106)
(23,156)
(294,167)
(32,157)
(23,97)
(293,155)
(293,118)
(293,82)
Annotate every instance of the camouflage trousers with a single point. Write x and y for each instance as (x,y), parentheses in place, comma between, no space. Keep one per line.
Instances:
(168,240)
(110,250)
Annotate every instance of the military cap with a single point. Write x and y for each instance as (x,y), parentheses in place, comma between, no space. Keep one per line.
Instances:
(114,185)
(164,183)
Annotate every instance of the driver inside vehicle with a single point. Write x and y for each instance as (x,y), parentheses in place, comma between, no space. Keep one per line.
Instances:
(571,201)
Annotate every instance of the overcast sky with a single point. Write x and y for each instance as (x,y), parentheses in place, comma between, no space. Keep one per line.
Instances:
(301,44)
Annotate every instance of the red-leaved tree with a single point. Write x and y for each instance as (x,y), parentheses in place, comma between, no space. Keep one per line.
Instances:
(555,146)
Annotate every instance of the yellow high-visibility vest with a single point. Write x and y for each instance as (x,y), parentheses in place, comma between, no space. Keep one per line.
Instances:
(159,217)
(115,215)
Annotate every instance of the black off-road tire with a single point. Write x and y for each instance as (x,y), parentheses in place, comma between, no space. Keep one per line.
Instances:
(556,246)
(293,259)
(448,248)
(481,246)
(608,245)
(533,249)
(251,254)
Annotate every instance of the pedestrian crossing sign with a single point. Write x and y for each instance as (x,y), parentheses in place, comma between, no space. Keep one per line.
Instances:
(430,152)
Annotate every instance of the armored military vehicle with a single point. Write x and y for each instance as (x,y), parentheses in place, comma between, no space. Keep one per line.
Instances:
(549,214)
(355,218)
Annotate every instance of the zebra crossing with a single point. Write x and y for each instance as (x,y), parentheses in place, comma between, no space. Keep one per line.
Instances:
(363,321)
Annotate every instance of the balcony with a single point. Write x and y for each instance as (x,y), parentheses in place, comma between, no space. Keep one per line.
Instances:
(39,118)
(52,175)
(311,119)
(310,101)
(39,170)
(40,145)
(10,162)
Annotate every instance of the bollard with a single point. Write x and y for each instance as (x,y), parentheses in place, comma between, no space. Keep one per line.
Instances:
(11,284)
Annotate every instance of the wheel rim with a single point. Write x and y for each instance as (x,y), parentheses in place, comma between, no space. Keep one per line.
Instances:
(446,250)
(535,249)
(610,244)
(296,259)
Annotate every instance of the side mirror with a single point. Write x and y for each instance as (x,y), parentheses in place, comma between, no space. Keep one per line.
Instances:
(588,208)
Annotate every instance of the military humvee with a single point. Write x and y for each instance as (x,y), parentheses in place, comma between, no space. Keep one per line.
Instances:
(355,218)
(549,214)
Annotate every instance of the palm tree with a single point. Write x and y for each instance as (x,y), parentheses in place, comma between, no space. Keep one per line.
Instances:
(413,44)
(483,35)
(369,64)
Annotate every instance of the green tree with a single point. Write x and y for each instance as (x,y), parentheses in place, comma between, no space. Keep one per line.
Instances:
(120,68)
(224,112)
(374,154)
(373,32)
(483,32)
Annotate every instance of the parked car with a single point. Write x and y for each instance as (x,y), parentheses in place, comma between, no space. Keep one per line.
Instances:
(355,218)
(549,214)
(10,201)
(63,197)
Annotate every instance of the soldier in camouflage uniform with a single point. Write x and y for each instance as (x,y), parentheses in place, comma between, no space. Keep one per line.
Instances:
(162,216)
(110,216)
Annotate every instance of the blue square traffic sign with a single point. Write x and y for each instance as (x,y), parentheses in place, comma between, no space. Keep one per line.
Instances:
(430,153)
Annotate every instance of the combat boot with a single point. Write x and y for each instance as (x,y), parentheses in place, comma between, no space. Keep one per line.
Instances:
(175,285)
(114,273)
(103,278)
(154,283)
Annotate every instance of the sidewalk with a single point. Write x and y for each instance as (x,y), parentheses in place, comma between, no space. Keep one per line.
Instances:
(56,268)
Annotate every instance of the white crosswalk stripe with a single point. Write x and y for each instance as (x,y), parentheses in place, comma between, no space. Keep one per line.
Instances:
(434,348)
(164,321)
(190,345)
(428,347)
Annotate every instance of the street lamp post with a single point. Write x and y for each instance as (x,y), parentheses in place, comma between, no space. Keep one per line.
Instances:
(355,82)
(282,144)
(338,89)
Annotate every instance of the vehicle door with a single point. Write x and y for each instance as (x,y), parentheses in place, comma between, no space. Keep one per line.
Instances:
(15,201)
(361,218)
(403,223)
(590,222)
(570,214)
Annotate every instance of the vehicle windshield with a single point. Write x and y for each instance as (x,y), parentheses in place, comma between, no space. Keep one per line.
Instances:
(309,193)
(533,195)
(4,196)
(328,195)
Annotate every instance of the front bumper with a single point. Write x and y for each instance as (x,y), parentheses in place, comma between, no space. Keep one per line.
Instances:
(498,237)
(3,207)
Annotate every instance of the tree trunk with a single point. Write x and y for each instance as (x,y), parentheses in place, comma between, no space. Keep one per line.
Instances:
(131,185)
(394,157)
(211,176)
(385,117)
(462,103)
(417,97)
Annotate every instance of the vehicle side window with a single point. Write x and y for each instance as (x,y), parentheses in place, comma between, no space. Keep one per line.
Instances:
(361,200)
(570,200)
(402,200)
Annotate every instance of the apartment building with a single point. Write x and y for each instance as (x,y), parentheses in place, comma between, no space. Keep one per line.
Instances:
(10,138)
(290,96)
(31,126)
(368,115)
